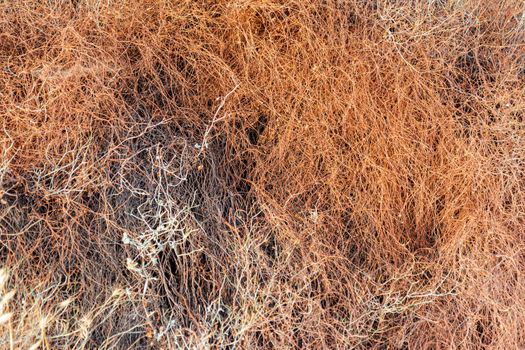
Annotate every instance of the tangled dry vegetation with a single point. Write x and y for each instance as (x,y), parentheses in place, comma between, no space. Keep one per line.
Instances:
(272,174)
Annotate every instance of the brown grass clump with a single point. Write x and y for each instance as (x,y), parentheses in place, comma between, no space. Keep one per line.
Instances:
(262,174)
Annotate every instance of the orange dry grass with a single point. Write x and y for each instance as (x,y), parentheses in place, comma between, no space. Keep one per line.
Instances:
(277,174)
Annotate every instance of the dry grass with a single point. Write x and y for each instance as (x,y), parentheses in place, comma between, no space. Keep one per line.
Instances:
(262,174)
